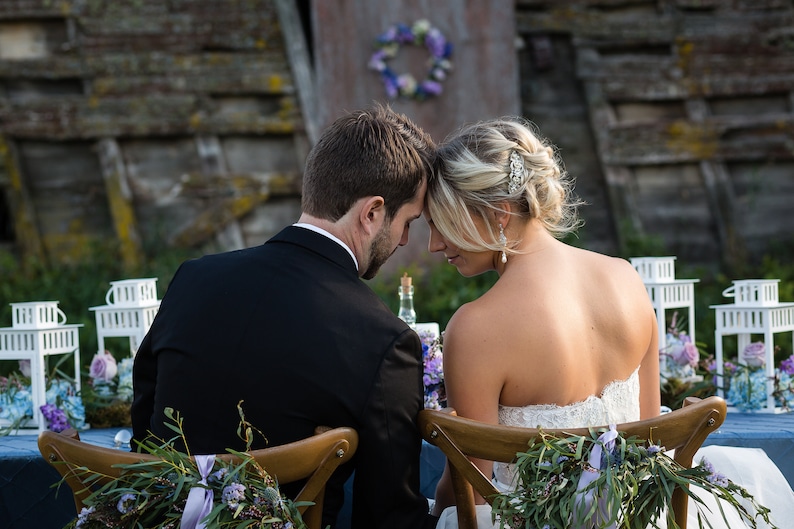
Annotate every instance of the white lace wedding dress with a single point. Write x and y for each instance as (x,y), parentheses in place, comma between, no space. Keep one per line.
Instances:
(619,403)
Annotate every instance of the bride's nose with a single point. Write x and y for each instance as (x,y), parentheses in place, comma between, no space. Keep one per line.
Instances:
(436,242)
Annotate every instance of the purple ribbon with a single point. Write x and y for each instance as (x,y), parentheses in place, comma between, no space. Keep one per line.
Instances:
(584,500)
(199,499)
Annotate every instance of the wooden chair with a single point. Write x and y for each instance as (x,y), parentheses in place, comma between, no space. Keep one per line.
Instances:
(684,430)
(313,459)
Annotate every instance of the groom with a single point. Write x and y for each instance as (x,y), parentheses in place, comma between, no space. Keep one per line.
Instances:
(290,329)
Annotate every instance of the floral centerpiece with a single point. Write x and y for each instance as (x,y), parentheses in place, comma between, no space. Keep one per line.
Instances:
(108,394)
(63,409)
(177,491)
(680,353)
(433,377)
(746,381)
(605,480)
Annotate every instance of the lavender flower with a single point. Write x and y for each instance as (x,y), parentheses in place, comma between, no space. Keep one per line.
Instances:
(126,503)
(233,494)
(56,417)
(82,518)
(431,87)
(714,477)
(220,474)
(390,82)
(436,42)
(787,365)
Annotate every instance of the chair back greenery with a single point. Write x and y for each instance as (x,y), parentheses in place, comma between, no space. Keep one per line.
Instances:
(174,489)
(634,475)
(606,480)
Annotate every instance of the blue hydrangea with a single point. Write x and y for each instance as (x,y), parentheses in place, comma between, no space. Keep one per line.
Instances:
(124,390)
(748,390)
(16,403)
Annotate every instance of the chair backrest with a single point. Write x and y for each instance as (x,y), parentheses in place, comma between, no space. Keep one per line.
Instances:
(313,459)
(682,430)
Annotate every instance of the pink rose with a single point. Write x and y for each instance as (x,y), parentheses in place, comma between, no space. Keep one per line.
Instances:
(684,352)
(24,368)
(103,367)
(754,355)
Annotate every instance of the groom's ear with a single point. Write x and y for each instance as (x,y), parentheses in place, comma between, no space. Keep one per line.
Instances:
(372,214)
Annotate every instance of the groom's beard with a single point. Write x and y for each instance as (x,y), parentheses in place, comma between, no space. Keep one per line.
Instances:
(379,252)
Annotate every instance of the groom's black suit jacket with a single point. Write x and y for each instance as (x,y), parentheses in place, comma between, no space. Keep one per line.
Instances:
(289,328)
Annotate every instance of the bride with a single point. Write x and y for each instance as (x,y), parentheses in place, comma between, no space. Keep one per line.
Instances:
(566,337)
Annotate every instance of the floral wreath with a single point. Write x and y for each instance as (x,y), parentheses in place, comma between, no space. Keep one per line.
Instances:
(420,34)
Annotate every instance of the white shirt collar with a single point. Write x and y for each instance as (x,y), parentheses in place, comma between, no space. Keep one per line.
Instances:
(334,238)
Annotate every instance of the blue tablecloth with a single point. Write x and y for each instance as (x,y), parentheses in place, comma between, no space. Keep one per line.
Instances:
(27,498)
(28,501)
(774,433)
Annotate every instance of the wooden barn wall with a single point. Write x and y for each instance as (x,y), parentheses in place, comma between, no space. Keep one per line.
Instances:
(187,122)
(483,82)
(147,123)
(691,106)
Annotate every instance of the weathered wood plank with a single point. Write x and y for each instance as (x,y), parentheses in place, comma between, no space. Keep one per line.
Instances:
(23,211)
(300,62)
(618,179)
(213,163)
(250,73)
(715,138)
(673,205)
(612,28)
(29,9)
(246,192)
(140,116)
(120,201)
(182,25)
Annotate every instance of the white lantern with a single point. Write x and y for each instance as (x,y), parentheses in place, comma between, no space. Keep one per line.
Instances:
(39,330)
(667,292)
(755,310)
(131,307)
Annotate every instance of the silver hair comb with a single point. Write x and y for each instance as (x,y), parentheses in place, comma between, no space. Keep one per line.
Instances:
(516,172)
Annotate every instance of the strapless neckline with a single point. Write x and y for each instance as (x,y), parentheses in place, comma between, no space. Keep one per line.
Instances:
(619,402)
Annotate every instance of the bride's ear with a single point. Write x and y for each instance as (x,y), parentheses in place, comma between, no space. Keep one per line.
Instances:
(502,214)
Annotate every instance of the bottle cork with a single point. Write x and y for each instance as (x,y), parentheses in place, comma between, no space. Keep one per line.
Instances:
(405,282)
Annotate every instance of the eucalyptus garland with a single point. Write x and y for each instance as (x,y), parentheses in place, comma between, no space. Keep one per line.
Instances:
(158,494)
(608,481)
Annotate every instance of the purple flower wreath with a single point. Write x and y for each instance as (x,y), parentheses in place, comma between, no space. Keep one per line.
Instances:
(421,33)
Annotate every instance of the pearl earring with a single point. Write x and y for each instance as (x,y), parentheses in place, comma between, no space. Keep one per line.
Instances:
(503,242)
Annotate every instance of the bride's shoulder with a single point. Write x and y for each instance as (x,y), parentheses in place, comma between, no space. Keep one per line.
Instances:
(606,269)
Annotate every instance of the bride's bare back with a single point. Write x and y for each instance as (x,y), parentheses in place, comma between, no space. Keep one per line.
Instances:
(558,326)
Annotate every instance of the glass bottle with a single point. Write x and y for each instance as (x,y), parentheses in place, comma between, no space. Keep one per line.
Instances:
(406,292)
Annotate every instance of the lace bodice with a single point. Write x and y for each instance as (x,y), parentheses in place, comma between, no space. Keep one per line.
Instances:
(619,402)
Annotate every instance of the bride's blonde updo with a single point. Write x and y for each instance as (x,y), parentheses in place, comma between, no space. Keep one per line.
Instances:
(473,178)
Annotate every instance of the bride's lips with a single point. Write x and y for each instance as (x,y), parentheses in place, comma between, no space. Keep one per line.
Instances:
(451,260)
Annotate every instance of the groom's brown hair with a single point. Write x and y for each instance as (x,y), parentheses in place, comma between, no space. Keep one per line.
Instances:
(373,152)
